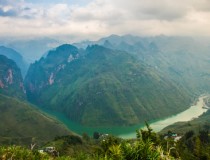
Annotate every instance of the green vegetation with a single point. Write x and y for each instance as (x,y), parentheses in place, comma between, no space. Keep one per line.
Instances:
(185,60)
(146,145)
(103,87)
(22,124)
(106,147)
(194,146)
(11,82)
(20,153)
(146,80)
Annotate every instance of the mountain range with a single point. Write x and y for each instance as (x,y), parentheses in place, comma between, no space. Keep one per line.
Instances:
(185,60)
(115,81)
(21,122)
(102,87)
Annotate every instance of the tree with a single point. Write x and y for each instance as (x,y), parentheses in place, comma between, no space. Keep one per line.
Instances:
(197,148)
(96,135)
(204,136)
(148,134)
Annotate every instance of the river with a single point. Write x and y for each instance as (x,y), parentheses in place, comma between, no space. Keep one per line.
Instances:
(129,132)
(193,112)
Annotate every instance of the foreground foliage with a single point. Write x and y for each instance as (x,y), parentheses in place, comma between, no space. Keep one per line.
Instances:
(147,146)
(195,147)
(108,147)
(20,153)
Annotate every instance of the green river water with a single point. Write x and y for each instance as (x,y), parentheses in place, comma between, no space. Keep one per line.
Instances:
(129,131)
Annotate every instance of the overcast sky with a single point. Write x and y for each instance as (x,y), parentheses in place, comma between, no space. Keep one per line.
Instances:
(93,19)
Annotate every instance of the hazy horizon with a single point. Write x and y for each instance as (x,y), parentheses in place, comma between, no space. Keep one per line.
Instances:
(94,19)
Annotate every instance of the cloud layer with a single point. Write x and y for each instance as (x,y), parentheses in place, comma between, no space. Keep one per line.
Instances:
(97,18)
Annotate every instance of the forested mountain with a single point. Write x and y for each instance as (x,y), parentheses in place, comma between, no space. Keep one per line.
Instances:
(15,56)
(103,87)
(11,81)
(183,59)
(123,81)
(21,123)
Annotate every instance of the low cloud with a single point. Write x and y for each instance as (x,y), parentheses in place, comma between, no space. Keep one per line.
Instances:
(99,18)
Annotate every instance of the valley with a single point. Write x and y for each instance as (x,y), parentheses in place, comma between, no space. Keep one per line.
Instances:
(103,87)
(117,81)
(193,112)
(110,89)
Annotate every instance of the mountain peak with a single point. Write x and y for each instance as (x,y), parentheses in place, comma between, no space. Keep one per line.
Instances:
(64,51)
(66,47)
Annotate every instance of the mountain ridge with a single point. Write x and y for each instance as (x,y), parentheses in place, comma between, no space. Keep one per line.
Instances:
(103,87)
(15,56)
(183,59)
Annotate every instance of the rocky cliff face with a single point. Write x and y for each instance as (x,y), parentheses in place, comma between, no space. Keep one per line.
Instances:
(11,82)
(46,70)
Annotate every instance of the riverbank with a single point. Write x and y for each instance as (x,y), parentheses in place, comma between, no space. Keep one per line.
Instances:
(129,132)
(187,115)
(193,112)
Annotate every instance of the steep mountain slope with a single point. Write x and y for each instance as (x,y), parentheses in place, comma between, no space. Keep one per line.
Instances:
(21,123)
(11,82)
(15,56)
(183,59)
(102,87)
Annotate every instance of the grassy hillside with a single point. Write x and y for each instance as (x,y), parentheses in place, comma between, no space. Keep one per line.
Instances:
(103,87)
(21,123)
